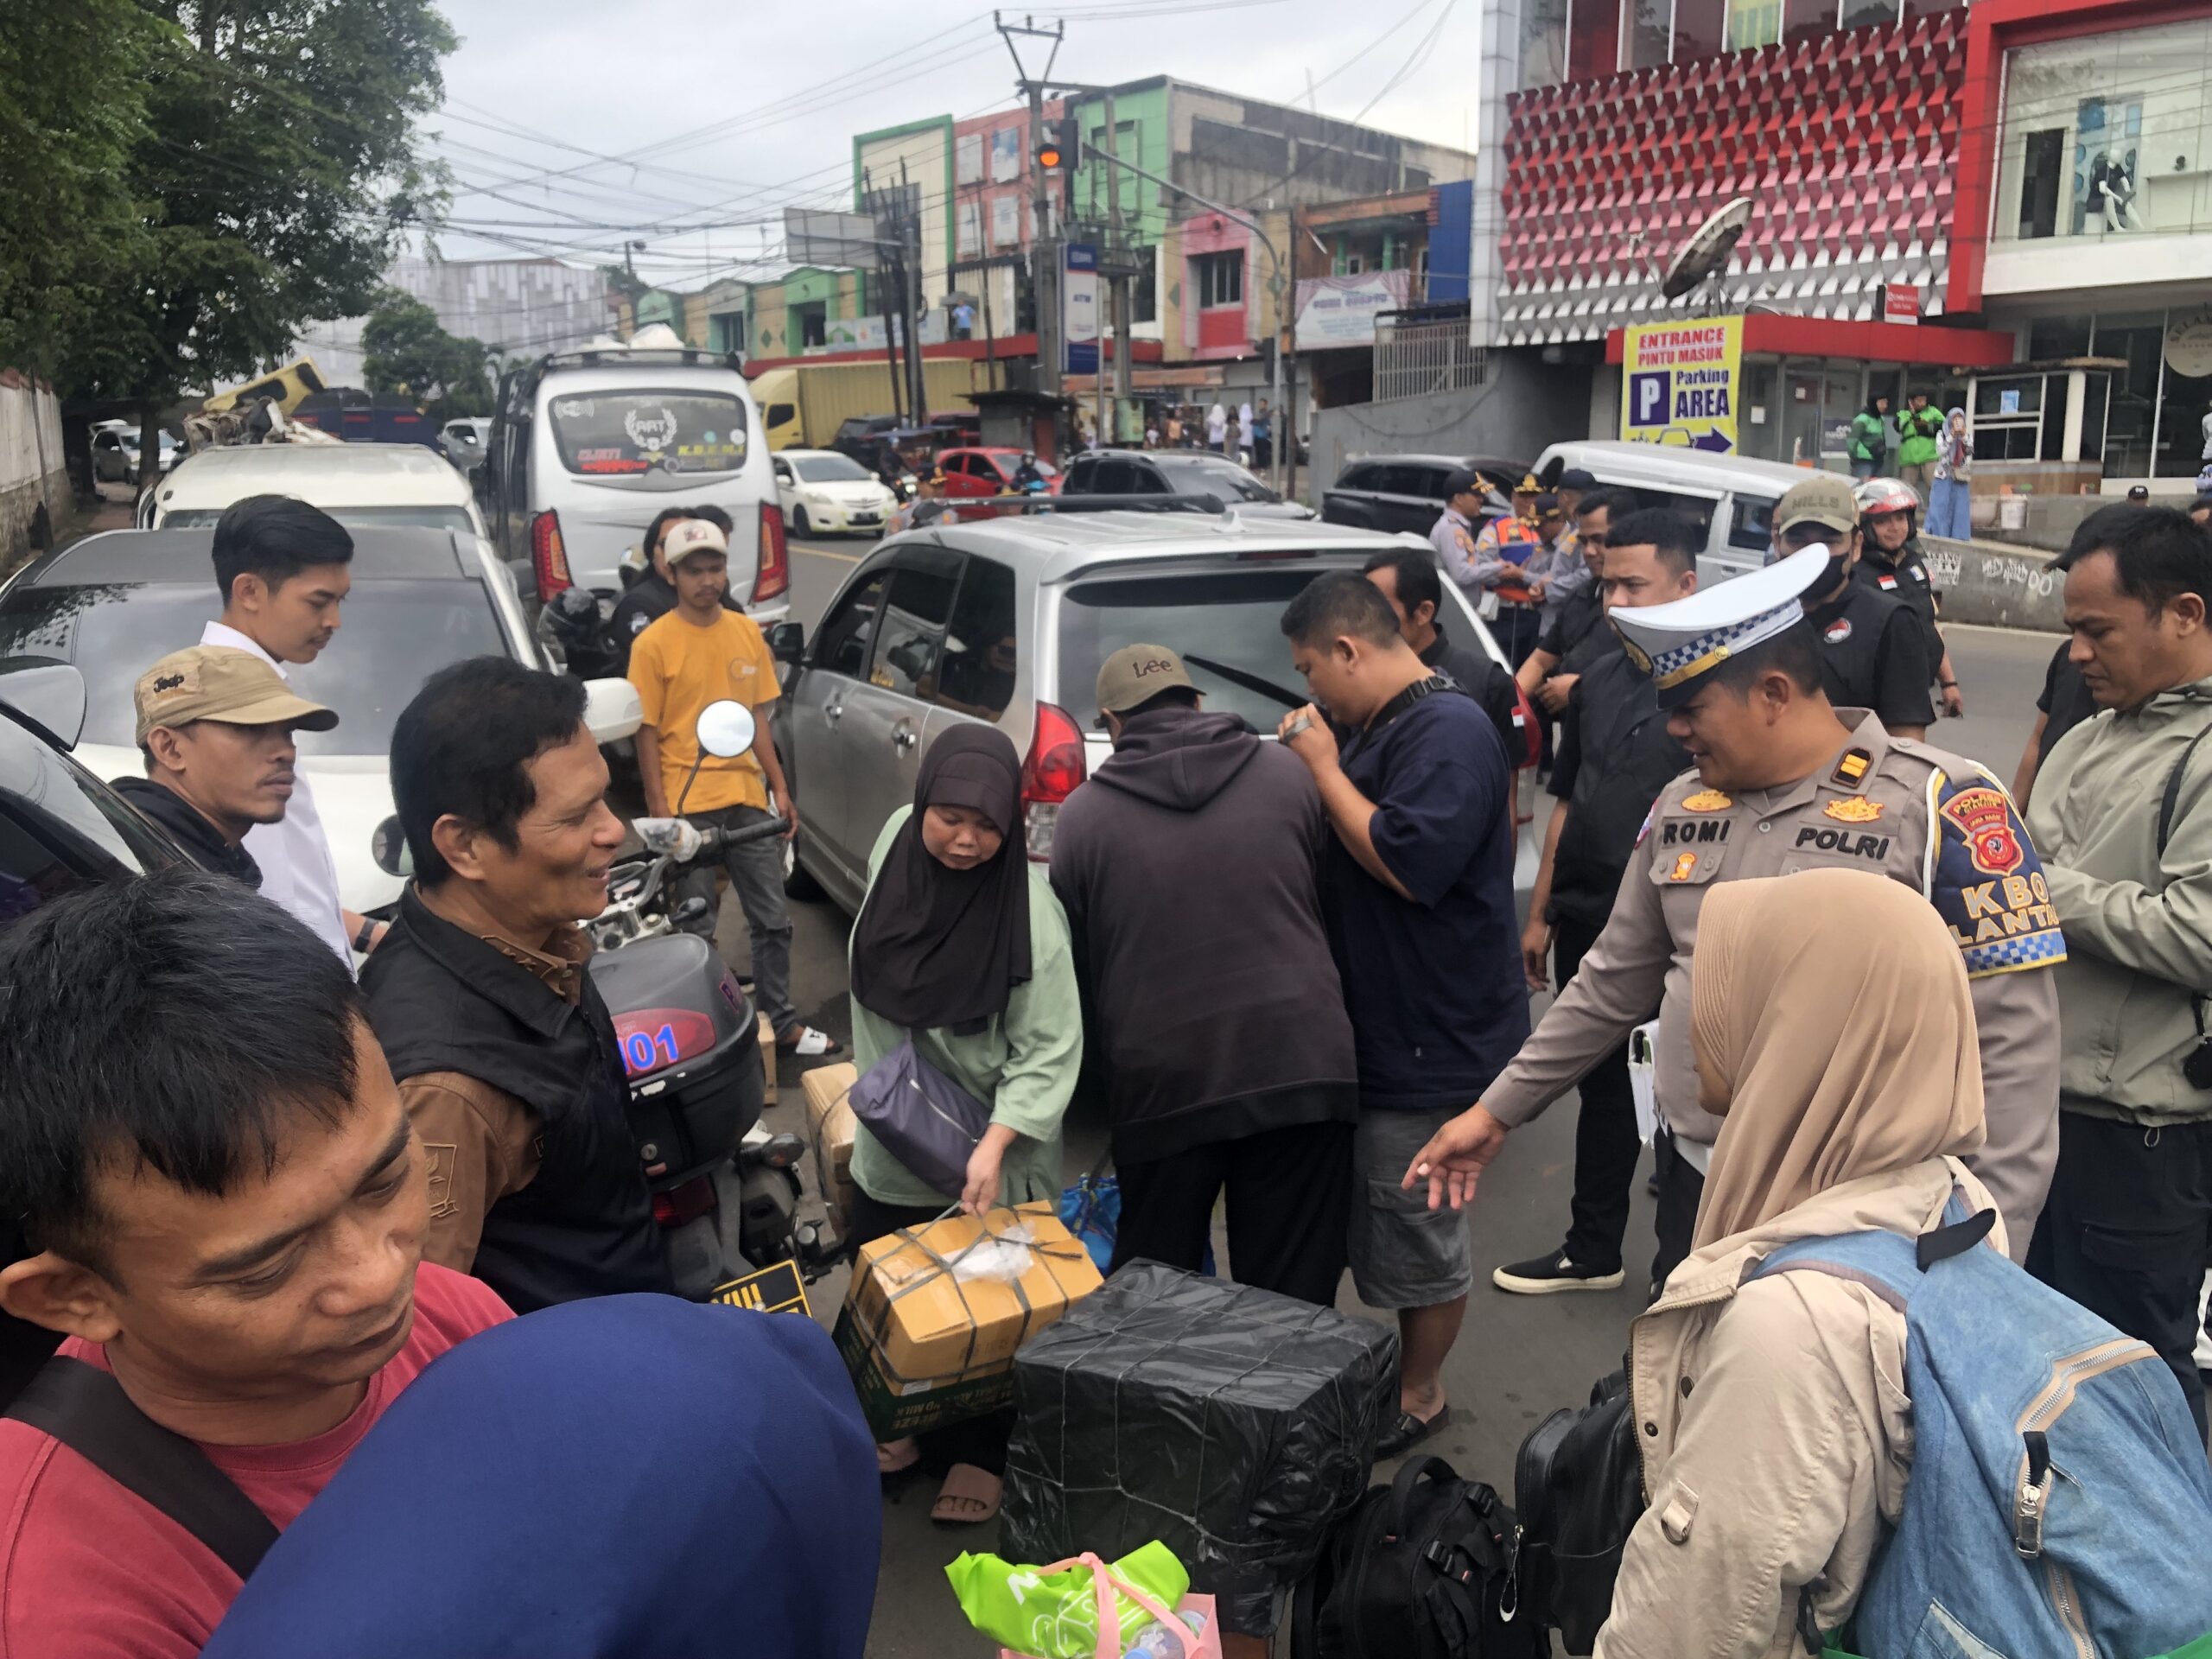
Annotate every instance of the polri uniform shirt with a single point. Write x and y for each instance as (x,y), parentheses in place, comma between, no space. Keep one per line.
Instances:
(1452,535)
(1873,656)
(1906,581)
(1936,822)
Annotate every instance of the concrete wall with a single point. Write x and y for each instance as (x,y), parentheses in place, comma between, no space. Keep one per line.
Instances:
(1996,584)
(1522,406)
(30,424)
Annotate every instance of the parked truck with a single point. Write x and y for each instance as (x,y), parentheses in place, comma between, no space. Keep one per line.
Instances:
(803,404)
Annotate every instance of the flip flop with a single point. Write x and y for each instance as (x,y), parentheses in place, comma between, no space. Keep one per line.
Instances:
(809,1043)
(896,1457)
(1407,1432)
(969,1497)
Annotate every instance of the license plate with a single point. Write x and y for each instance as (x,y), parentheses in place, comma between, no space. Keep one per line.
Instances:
(777,1288)
(865,517)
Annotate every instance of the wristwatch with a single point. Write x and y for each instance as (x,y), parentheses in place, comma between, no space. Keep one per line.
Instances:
(364,941)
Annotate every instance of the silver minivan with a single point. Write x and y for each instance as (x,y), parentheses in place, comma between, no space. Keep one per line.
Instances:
(1007,621)
(586,447)
(1730,498)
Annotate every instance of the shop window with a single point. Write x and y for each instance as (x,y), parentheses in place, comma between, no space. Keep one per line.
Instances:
(1697,29)
(968,158)
(2054,426)
(2058,337)
(1593,40)
(1543,42)
(1808,19)
(2007,417)
(2041,171)
(2096,401)
(1219,278)
(1857,14)
(2108,163)
(2141,341)
(968,216)
(1144,293)
(1646,27)
(1753,22)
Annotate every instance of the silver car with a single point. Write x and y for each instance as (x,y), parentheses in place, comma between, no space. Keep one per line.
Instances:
(1005,622)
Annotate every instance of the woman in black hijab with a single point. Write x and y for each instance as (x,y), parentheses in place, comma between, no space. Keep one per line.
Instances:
(962,945)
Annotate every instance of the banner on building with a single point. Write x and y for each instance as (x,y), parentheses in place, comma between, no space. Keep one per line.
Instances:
(1079,309)
(1341,310)
(1679,381)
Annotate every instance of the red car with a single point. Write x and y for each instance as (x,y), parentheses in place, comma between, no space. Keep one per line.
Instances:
(971,473)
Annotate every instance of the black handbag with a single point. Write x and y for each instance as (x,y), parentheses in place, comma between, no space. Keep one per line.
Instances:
(1578,1482)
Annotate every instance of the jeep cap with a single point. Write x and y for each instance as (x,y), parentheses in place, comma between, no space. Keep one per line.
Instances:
(218,682)
(1137,674)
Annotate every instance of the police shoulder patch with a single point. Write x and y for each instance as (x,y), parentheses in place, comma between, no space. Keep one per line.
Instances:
(1706,800)
(1985,880)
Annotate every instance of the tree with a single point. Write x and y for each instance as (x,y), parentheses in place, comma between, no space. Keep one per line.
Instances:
(406,349)
(274,173)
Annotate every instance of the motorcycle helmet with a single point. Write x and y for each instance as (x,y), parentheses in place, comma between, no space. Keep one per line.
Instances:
(1880,495)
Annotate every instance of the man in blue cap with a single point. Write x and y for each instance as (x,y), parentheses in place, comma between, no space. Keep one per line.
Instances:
(1783,781)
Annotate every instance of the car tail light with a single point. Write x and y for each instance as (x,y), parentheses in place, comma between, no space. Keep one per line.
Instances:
(775,572)
(548,560)
(695,1198)
(1054,766)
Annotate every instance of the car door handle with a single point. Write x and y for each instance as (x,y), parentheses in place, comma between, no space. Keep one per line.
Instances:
(904,736)
(833,712)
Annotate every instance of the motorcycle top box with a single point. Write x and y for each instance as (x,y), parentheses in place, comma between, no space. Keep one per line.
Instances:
(691,1048)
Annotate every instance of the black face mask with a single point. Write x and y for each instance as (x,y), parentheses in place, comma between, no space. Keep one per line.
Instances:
(1839,569)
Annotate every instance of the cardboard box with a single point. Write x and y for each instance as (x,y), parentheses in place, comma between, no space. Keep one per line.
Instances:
(928,1347)
(768,1060)
(830,1126)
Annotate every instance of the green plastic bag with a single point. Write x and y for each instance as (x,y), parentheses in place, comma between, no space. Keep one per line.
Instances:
(1055,1616)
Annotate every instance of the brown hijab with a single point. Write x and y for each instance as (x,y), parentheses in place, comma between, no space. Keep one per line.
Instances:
(1832,1026)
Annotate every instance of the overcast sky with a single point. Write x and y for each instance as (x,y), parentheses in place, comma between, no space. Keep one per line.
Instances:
(744,109)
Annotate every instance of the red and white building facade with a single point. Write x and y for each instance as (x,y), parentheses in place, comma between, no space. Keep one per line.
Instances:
(1941,196)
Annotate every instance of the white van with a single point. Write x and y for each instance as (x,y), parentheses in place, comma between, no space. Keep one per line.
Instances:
(1730,498)
(361,485)
(588,446)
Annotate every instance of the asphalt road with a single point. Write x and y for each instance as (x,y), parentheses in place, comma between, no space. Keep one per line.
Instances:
(1518,1358)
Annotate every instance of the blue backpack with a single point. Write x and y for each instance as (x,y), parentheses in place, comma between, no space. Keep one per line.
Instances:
(2060,1502)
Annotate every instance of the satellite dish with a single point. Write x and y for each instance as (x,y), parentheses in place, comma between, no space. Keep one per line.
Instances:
(1707,251)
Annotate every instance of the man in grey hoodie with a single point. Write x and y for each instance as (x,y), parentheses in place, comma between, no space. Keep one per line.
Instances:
(1214,1019)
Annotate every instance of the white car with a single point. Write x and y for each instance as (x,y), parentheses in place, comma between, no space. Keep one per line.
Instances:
(115,453)
(822,491)
(463,439)
(114,603)
(361,484)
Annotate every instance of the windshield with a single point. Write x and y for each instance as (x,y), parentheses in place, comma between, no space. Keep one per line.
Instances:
(394,636)
(1220,620)
(1222,479)
(830,469)
(619,433)
(431,517)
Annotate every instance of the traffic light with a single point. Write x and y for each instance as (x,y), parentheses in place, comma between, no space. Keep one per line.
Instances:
(1050,157)
(1061,148)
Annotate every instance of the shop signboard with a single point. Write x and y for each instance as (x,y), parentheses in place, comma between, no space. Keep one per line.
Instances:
(1679,384)
(2189,342)
(1079,309)
(1341,310)
(1900,302)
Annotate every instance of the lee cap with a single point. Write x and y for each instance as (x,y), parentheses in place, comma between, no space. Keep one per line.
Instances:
(217,683)
(1137,674)
(693,536)
(1824,500)
(1677,642)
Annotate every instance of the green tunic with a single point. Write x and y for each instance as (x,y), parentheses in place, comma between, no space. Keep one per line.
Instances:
(1024,1061)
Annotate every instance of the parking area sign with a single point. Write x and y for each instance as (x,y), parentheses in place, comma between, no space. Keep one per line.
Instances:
(1679,384)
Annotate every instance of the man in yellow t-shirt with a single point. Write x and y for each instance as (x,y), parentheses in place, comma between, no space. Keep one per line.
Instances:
(696,654)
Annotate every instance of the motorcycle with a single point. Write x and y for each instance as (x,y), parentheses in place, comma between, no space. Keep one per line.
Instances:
(725,1191)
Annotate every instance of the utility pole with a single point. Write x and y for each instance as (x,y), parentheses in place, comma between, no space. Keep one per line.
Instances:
(887,273)
(910,249)
(1119,295)
(1044,254)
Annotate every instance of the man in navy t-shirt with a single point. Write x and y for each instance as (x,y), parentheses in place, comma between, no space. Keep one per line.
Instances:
(1418,887)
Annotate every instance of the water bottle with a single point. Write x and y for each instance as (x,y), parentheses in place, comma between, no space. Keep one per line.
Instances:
(1156,1641)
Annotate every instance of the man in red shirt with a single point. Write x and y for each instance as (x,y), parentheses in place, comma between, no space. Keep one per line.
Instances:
(222,1205)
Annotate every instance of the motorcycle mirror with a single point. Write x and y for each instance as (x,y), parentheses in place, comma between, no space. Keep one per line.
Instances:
(389,847)
(725,729)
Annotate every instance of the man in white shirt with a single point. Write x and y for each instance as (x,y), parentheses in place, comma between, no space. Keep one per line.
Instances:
(282,567)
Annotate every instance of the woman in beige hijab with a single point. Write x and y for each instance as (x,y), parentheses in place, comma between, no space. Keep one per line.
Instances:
(1833,1029)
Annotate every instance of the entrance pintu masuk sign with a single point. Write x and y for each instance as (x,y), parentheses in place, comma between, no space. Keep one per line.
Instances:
(1680,382)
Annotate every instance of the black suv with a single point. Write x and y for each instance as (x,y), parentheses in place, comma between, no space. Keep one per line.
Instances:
(862,436)
(1176,472)
(1407,491)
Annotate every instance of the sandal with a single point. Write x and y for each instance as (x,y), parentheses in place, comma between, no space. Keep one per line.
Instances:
(808,1043)
(1408,1432)
(969,1497)
(896,1456)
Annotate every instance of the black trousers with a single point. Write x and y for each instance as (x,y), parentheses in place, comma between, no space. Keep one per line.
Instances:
(977,1440)
(1681,1186)
(1605,1142)
(1290,1207)
(1515,628)
(2126,1231)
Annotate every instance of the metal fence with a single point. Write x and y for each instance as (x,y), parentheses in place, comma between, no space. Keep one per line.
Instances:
(1418,359)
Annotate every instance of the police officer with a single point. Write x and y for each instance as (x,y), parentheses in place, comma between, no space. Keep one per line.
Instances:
(1889,563)
(1785,781)
(1615,755)
(1873,654)
(1453,535)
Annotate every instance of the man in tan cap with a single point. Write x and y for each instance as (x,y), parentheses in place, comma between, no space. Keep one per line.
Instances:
(1873,653)
(215,727)
(1189,866)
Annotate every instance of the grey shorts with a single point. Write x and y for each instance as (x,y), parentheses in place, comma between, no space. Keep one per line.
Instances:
(1403,1254)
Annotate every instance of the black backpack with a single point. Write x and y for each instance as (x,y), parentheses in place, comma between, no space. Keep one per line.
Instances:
(1423,1568)
(1579,1480)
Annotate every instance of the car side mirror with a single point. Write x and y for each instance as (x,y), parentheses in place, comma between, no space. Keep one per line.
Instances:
(787,641)
(612,710)
(388,845)
(526,576)
(725,728)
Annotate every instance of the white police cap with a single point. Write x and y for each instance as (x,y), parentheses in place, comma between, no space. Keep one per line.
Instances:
(1679,641)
